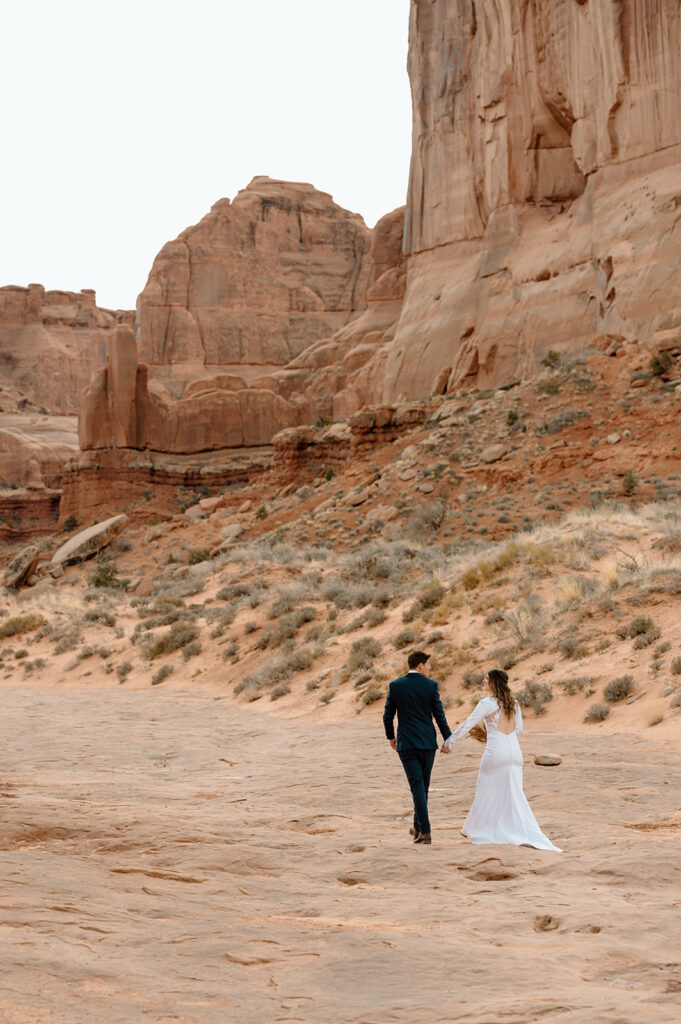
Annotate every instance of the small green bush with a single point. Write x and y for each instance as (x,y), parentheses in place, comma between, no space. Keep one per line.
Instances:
(123,670)
(106,575)
(70,523)
(660,362)
(197,555)
(551,360)
(534,695)
(629,482)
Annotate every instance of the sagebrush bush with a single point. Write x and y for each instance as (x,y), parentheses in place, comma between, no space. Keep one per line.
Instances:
(597,713)
(178,636)
(404,638)
(161,674)
(197,555)
(362,653)
(472,679)
(676,666)
(21,624)
(618,689)
(534,695)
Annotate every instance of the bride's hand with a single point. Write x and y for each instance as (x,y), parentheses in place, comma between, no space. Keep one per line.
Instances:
(444,749)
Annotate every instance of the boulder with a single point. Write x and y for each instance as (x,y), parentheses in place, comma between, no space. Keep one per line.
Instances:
(89,542)
(547,760)
(22,567)
(492,453)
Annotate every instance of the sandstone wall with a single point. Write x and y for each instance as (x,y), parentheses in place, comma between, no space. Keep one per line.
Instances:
(544,194)
(51,344)
(252,285)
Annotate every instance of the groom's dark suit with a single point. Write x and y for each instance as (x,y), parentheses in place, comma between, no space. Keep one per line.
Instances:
(416,700)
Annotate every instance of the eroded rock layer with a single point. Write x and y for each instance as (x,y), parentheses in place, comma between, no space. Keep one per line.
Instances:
(545,186)
(51,344)
(253,284)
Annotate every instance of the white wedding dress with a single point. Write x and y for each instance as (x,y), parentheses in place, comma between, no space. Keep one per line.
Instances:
(500,812)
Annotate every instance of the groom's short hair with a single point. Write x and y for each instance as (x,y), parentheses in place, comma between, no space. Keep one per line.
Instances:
(417,658)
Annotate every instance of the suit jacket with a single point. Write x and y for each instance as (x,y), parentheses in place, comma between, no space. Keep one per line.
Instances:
(416,700)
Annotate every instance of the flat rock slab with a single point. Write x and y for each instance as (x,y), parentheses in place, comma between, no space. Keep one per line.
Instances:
(493,453)
(546,760)
(87,543)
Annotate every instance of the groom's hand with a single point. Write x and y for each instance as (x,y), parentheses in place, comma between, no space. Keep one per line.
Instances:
(393,744)
(444,749)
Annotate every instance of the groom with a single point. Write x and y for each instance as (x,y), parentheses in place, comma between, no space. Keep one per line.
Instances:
(416,700)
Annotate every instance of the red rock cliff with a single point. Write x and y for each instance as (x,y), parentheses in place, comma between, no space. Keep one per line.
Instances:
(545,186)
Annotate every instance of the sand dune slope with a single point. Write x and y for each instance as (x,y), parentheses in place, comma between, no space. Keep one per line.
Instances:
(176,858)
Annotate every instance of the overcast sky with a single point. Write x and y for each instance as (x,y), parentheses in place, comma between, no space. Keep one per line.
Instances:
(124,122)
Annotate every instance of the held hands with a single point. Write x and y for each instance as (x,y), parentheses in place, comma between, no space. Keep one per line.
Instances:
(393,744)
(444,749)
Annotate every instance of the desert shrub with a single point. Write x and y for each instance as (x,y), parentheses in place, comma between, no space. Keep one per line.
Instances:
(597,713)
(560,421)
(618,689)
(234,590)
(68,642)
(638,626)
(191,649)
(250,627)
(163,672)
(675,702)
(70,524)
(278,670)
(429,518)
(472,678)
(646,639)
(629,482)
(197,555)
(551,359)
(504,657)
(123,670)
(534,695)
(280,691)
(432,595)
(374,617)
(675,667)
(470,579)
(579,684)
(347,595)
(371,695)
(362,653)
(404,638)
(21,624)
(660,362)
(106,575)
(178,636)
(98,615)
(527,621)
(572,648)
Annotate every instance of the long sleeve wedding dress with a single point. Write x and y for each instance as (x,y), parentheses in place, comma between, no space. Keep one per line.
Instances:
(500,812)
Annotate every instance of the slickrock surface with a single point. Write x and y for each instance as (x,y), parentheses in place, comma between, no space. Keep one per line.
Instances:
(544,190)
(48,337)
(172,857)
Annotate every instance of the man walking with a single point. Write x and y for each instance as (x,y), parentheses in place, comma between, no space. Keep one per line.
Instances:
(416,700)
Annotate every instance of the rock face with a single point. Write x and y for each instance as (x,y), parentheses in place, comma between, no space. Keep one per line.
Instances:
(122,409)
(253,284)
(48,336)
(544,195)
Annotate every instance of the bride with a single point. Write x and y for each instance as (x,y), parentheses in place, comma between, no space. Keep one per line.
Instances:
(500,812)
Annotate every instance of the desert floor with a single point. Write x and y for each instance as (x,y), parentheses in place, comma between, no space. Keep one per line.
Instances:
(173,857)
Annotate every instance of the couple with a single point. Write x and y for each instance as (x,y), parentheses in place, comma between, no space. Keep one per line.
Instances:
(500,812)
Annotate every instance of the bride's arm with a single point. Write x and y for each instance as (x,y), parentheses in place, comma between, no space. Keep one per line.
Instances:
(518,718)
(478,713)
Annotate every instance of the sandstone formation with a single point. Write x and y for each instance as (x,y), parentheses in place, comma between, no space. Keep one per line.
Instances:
(50,338)
(123,409)
(88,542)
(544,195)
(251,286)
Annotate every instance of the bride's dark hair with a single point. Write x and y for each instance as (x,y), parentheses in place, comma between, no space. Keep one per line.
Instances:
(498,681)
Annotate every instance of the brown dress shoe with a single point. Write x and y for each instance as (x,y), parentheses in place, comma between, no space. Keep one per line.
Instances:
(423,837)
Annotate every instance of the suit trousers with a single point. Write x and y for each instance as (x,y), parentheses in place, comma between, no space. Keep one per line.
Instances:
(418,764)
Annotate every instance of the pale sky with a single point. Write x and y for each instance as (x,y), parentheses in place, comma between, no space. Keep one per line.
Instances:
(124,122)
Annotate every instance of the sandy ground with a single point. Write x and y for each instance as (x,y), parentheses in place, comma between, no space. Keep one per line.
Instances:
(177,858)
